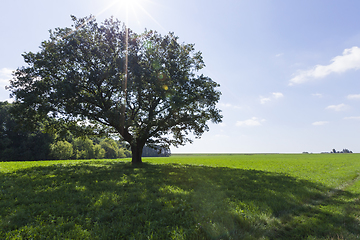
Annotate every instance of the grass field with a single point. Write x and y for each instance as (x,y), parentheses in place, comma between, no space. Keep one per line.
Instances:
(275,196)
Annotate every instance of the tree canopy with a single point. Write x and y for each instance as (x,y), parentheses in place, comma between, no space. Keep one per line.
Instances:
(104,77)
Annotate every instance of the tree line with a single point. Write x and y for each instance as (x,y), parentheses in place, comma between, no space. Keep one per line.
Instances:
(20,144)
(345,150)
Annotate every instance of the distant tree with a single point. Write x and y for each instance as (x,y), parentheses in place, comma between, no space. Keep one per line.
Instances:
(346,151)
(112,149)
(125,146)
(61,150)
(104,77)
(99,152)
(83,148)
(17,143)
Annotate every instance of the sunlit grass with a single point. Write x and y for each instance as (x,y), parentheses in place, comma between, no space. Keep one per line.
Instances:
(329,169)
(198,197)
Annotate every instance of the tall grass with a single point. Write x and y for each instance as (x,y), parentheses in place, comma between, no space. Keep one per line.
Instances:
(194,197)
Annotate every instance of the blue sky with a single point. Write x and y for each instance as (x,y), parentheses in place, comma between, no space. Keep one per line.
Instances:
(288,70)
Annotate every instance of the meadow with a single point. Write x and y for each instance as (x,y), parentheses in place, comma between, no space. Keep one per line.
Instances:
(216,196)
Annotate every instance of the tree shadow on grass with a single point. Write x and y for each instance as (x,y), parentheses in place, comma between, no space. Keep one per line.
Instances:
(114,200)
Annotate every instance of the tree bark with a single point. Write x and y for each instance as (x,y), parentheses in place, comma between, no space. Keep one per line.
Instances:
(136,150)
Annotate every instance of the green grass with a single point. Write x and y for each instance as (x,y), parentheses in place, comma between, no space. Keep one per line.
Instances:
(275,196)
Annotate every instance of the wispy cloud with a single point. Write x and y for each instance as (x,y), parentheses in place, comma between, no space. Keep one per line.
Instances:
(264,100)
(319,95)
(277,95)
(274,95)
(352,118)
(353,96)
(339,107)
(5,76)
(252,122)
(279,54)
(320,123)
(350,59)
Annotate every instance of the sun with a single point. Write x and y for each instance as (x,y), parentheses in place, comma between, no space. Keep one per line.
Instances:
(130,3)
(131,12)
(126,8)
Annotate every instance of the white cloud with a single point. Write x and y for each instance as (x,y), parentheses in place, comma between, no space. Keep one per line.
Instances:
(279,54)
(277,95)
(5,76)
(264,100)
(274,95)
(353,96)
(339,107)
(319,95)
(352,118)
(350,59)
(320,123)
(252,122)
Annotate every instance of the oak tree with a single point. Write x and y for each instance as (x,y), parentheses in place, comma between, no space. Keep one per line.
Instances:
(145,87)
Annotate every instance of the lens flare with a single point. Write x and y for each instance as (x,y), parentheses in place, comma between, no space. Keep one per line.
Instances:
(161,76)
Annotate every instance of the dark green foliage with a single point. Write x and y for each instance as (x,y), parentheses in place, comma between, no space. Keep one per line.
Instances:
(17,143)
(22,144)
(77,82)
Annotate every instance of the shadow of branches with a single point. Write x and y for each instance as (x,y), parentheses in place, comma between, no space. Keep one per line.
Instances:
(114,200)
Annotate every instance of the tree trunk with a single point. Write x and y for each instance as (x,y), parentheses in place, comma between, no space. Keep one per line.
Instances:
(136,150)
